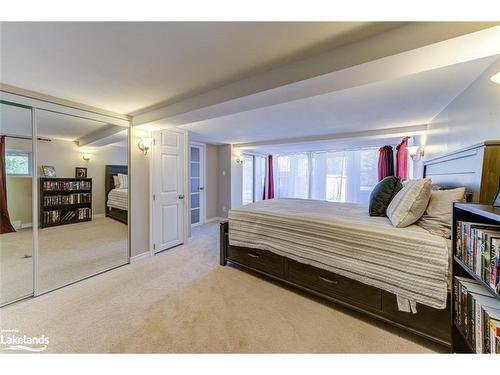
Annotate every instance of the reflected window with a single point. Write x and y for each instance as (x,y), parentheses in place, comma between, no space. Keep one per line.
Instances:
(18,163)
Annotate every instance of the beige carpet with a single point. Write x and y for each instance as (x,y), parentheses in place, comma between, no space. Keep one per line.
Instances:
(182,301)
(66,253)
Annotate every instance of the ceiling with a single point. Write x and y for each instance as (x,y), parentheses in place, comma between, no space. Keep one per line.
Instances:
(411,100)
(128,66)
(17,121)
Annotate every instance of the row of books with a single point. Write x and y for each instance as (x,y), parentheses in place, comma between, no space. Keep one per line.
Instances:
(54,200)
(478,246)
(477,313)
(57,216)
(66,185)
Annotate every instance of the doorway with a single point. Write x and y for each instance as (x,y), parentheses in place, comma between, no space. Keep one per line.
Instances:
(168,188)
(197,180)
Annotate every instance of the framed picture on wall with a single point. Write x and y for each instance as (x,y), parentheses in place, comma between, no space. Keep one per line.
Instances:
(80,172)
(48,171)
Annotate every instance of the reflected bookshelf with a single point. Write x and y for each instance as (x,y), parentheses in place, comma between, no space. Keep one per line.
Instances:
(64,201)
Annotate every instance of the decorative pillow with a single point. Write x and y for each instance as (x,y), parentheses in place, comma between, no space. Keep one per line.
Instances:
(382,195)
(116,181)
(123,180)
(410,203)
(437,216)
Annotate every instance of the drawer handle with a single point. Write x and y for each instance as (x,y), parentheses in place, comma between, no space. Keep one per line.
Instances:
(253,255)
(327,280)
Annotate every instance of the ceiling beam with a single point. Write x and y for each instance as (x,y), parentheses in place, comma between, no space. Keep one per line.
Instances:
(368,134)
(98,135)
(226,100)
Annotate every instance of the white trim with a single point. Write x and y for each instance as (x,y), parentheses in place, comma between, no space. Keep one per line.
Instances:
(34,200)
(214,219)
(98,216)
(141,256)
(26,225)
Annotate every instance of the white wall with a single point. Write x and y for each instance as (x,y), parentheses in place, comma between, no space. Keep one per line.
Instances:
(224,176)
(472,117)
(236,180)
(211,182)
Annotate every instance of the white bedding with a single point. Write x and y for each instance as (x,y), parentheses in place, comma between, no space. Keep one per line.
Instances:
(342,238)
(118,198)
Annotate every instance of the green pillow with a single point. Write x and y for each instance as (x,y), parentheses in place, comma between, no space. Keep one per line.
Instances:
(382,195)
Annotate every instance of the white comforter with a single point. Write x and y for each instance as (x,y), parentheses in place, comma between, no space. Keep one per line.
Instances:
(118,198)
(342,238)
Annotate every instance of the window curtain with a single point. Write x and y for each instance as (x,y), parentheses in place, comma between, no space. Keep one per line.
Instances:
(402,159)
(5,225)
(269,180)
(385,162)
(337,176)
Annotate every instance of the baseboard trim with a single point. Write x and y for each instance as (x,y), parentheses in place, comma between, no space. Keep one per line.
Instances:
(211,220)
(98,216)
(141,256)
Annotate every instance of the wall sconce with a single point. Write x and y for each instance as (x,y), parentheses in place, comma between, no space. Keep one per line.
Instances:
(416,152)
(496,78)
(239,159)
(87,156)
(145,144)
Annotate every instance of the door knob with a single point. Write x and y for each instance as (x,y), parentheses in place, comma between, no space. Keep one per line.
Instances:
(181,196)
(201,188)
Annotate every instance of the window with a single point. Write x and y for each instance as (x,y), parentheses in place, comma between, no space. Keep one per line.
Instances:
(18,163)
(254,174)
(337,176)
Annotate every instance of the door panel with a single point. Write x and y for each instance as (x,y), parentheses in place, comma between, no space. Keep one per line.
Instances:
(197,179)
(168,189)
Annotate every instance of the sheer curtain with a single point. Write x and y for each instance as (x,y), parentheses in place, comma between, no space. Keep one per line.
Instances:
(337,176)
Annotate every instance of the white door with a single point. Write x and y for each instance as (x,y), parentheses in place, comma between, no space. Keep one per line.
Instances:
(168,189)
(197,177)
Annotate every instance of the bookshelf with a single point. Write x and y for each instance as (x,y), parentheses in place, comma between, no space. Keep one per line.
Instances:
(64,201)
(482,215)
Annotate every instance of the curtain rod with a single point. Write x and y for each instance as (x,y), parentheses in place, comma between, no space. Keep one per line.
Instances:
(28,138)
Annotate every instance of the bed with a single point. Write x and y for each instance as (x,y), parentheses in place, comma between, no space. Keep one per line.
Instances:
(116,198)
(337,252)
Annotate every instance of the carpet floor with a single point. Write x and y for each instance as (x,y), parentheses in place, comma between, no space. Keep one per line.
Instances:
(182,301)
(65,254)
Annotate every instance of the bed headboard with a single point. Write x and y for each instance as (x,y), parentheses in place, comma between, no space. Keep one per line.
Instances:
(477,168)
(113,170)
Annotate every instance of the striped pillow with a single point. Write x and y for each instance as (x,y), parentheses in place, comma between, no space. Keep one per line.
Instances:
(409,204)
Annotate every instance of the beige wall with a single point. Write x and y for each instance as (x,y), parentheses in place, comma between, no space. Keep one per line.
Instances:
(472,117)
(19,200)
(139,193)
(211,183)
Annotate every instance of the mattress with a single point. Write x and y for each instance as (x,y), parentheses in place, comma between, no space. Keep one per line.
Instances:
(342,238)
(118,198)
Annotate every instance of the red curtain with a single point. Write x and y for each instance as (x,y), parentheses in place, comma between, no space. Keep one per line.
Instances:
(385,162)
(402,159)
(269,183)
(5,225)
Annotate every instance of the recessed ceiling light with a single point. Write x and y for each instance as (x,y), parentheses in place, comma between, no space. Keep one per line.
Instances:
(496,78)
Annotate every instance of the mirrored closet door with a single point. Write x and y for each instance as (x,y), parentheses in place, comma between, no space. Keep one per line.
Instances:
(63,199)
(16,186)
(83,206)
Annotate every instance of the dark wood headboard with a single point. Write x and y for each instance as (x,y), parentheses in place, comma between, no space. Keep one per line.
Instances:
(113,170)
(477,168)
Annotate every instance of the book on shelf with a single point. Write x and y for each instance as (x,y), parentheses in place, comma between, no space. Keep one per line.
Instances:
(51,185)
(477,313)
(56,216)
(76,198)
(478,246)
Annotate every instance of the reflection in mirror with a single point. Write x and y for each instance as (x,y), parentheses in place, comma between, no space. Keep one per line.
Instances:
(16,235)
(83,198)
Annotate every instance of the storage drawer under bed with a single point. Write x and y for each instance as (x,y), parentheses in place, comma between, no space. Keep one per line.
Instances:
(332,284)
(261,260)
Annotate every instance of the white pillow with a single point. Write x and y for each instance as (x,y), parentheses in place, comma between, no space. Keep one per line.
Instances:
(123,180)
(116,181)
(437,216)
(409,204)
